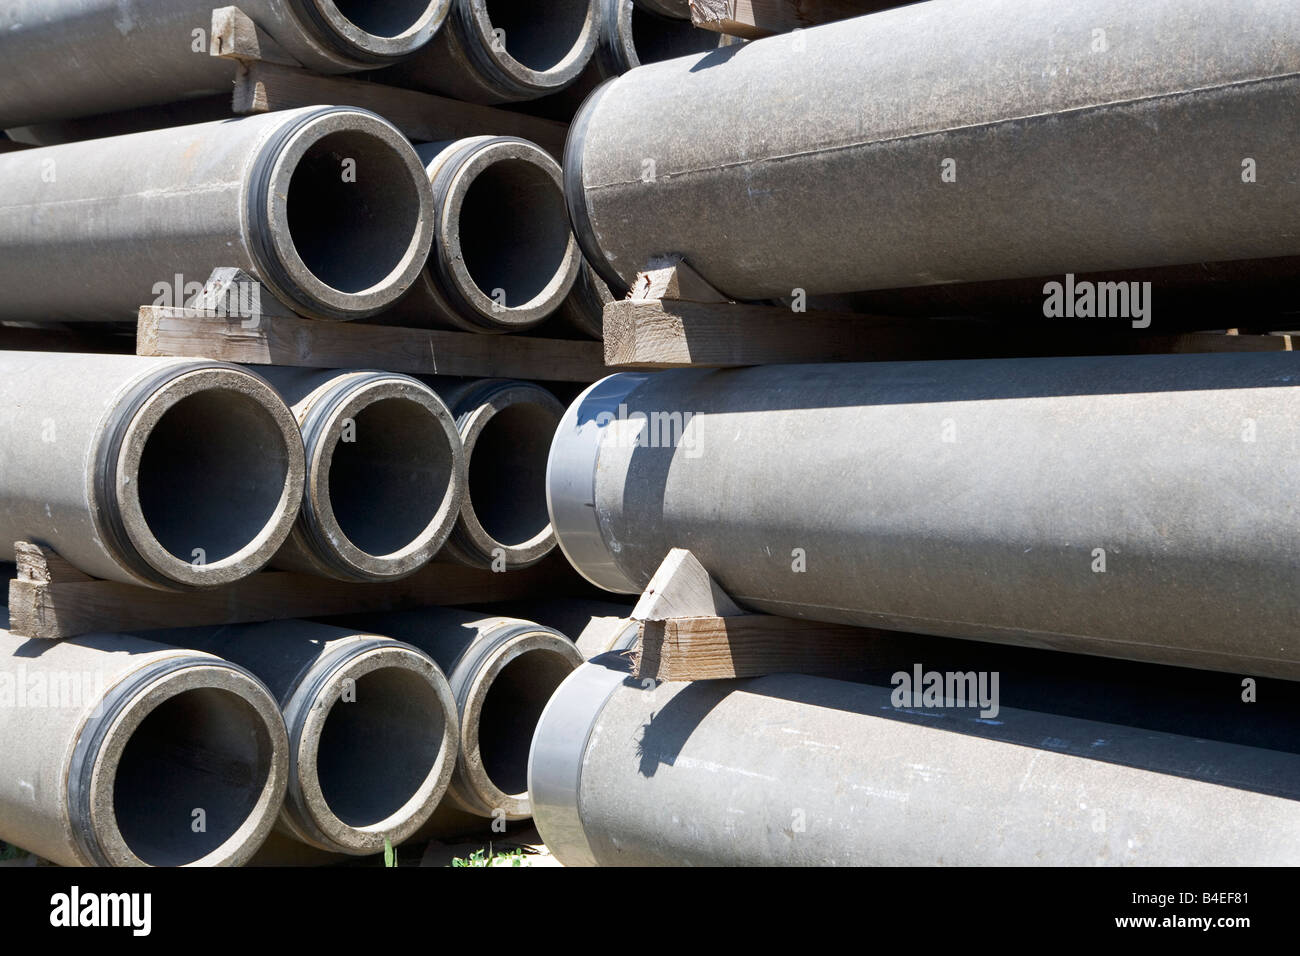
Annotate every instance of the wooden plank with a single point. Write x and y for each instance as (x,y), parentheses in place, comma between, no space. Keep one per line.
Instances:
(658,334)
(49,603)
(754,19)
(751,645)
(674,279)
(236,36)
(425,118)
(682,588)
(310,343)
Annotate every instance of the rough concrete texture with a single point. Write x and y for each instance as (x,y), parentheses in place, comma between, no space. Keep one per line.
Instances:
(373,732)
(1139,507)
(69,58)
(798,770)
(329,207)
(385,475)
(949,142)
(112,742)
(163,472)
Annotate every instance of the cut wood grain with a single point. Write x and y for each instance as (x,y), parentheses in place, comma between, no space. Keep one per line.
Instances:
(682,588)
(50,600)
(310,343)
(266,87)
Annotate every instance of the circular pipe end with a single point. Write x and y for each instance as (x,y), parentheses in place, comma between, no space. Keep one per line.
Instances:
(341,213)
(205,477)
(385,476)
(571,480)
(503,250)
(530,49)
(375,33)
(375,748)
(187,766)
(503,701)
(506,429)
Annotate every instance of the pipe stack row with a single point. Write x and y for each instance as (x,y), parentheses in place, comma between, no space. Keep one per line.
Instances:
(191,746)
(955,159)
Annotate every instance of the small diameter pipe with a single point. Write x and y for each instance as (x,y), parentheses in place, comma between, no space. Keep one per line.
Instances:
(167,473)
(372,728)
(506,428)
(503,256)
(123,752)
(501,51)
(385,474)
(329,207)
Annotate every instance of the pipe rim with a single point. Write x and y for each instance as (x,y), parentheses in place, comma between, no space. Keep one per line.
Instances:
(125,462)
(475,411)
(321,429)
(510,72)
(452,184)
(575,191)
(282,266)
(367,47)
(307,811)
(154,686)
(474,787)
(571,471)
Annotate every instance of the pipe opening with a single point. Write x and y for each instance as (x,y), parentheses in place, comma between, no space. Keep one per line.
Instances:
(212,475)
(377,750)
(201,750)
(514,230)
(386,486)
(539,35)
(389,19)
(657,38)
(507,473)
(511,709)
(352,210)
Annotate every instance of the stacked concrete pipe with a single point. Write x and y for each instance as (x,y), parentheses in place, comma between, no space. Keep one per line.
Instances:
(506,429)
(329,207)
(385,474)
(992,500)
(875,153)
(491,52)
(798,770)
(373,734)
(135,754)
(503,257)
(157,51)
(502,672)
(167,473)
(633,34)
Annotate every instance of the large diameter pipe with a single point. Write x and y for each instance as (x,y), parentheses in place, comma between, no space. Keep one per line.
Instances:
(875,153)
(503,256)
(1138,506)
(634,34)
(373,733)
(506,429)
(329,207)
(502,672)
(167,473)
(123,752)
(385,474)
(157,51)
(797,770)
(492,51)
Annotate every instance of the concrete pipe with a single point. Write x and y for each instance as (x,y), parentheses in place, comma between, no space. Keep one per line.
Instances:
(594,626)
(635,34)
(798,770)
(385,474)
(373,732)
(875,153)
(167,473)
(506,428)
(502,51)
(123,752)
(503,257)
(1085,504)
(502,672)
(329,207)
(157,51)
(583,311)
